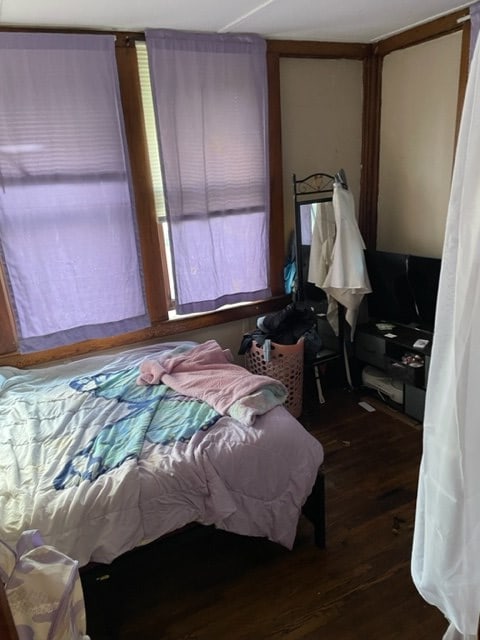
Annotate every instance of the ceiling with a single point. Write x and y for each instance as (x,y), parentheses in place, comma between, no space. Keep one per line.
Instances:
(323,20)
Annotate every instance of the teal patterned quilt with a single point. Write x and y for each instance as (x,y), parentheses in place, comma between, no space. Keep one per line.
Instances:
(156,413)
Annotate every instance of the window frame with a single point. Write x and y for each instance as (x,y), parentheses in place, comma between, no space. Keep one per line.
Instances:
(154,261)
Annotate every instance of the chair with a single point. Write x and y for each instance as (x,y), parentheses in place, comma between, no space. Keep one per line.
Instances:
(321,359)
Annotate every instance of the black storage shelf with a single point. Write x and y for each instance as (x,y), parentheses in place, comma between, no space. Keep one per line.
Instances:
(390,348)
(405,372)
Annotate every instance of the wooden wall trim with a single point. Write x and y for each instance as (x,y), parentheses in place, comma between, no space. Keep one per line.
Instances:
(8,342)
(368,201)
(276,226)
(143,189)
(463,73)
(158,332)
(312,49)
(422,33)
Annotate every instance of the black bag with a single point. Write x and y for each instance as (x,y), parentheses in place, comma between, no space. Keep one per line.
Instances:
(286,327)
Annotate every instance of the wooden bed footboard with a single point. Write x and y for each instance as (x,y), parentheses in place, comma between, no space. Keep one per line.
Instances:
(314,510)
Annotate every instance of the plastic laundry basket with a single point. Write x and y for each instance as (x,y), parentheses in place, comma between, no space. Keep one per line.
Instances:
(285,365)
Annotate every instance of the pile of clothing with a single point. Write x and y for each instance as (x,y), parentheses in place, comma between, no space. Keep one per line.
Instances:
(287,326)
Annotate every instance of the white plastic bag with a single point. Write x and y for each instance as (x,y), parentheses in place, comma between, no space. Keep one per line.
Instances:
(43,590)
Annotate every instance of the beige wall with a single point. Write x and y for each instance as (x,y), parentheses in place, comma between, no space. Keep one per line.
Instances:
(321,104)
(228,335)
(419,105)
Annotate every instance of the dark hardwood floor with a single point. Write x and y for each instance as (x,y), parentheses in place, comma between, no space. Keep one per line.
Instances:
(209,585)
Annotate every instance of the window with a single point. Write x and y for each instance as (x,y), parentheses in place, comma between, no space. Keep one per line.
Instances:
(67,223)
(155,165)
(210,98)
(73,158)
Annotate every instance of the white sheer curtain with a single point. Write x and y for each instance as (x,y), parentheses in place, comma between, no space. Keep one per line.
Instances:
(446,545)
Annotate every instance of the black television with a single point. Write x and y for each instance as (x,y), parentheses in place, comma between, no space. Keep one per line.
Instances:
(423,275)
(404,288)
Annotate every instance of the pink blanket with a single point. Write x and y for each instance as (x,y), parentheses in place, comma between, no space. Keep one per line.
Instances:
(206,372)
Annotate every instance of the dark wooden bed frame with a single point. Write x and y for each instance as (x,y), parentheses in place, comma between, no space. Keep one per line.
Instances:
(314,510)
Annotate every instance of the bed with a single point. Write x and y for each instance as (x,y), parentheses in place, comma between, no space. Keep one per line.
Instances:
(101,455)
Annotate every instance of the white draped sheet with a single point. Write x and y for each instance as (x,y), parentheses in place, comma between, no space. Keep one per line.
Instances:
(337,260)
(446,545)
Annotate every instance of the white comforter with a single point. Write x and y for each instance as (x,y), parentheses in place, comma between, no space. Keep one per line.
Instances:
(251,480)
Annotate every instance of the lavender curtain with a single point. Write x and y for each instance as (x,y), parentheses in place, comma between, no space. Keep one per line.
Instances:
(67,226)
(210,96)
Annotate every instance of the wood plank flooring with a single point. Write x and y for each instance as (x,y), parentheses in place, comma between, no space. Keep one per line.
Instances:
(209,585)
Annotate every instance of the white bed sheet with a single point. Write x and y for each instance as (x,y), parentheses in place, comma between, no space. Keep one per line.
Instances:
(251,480)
